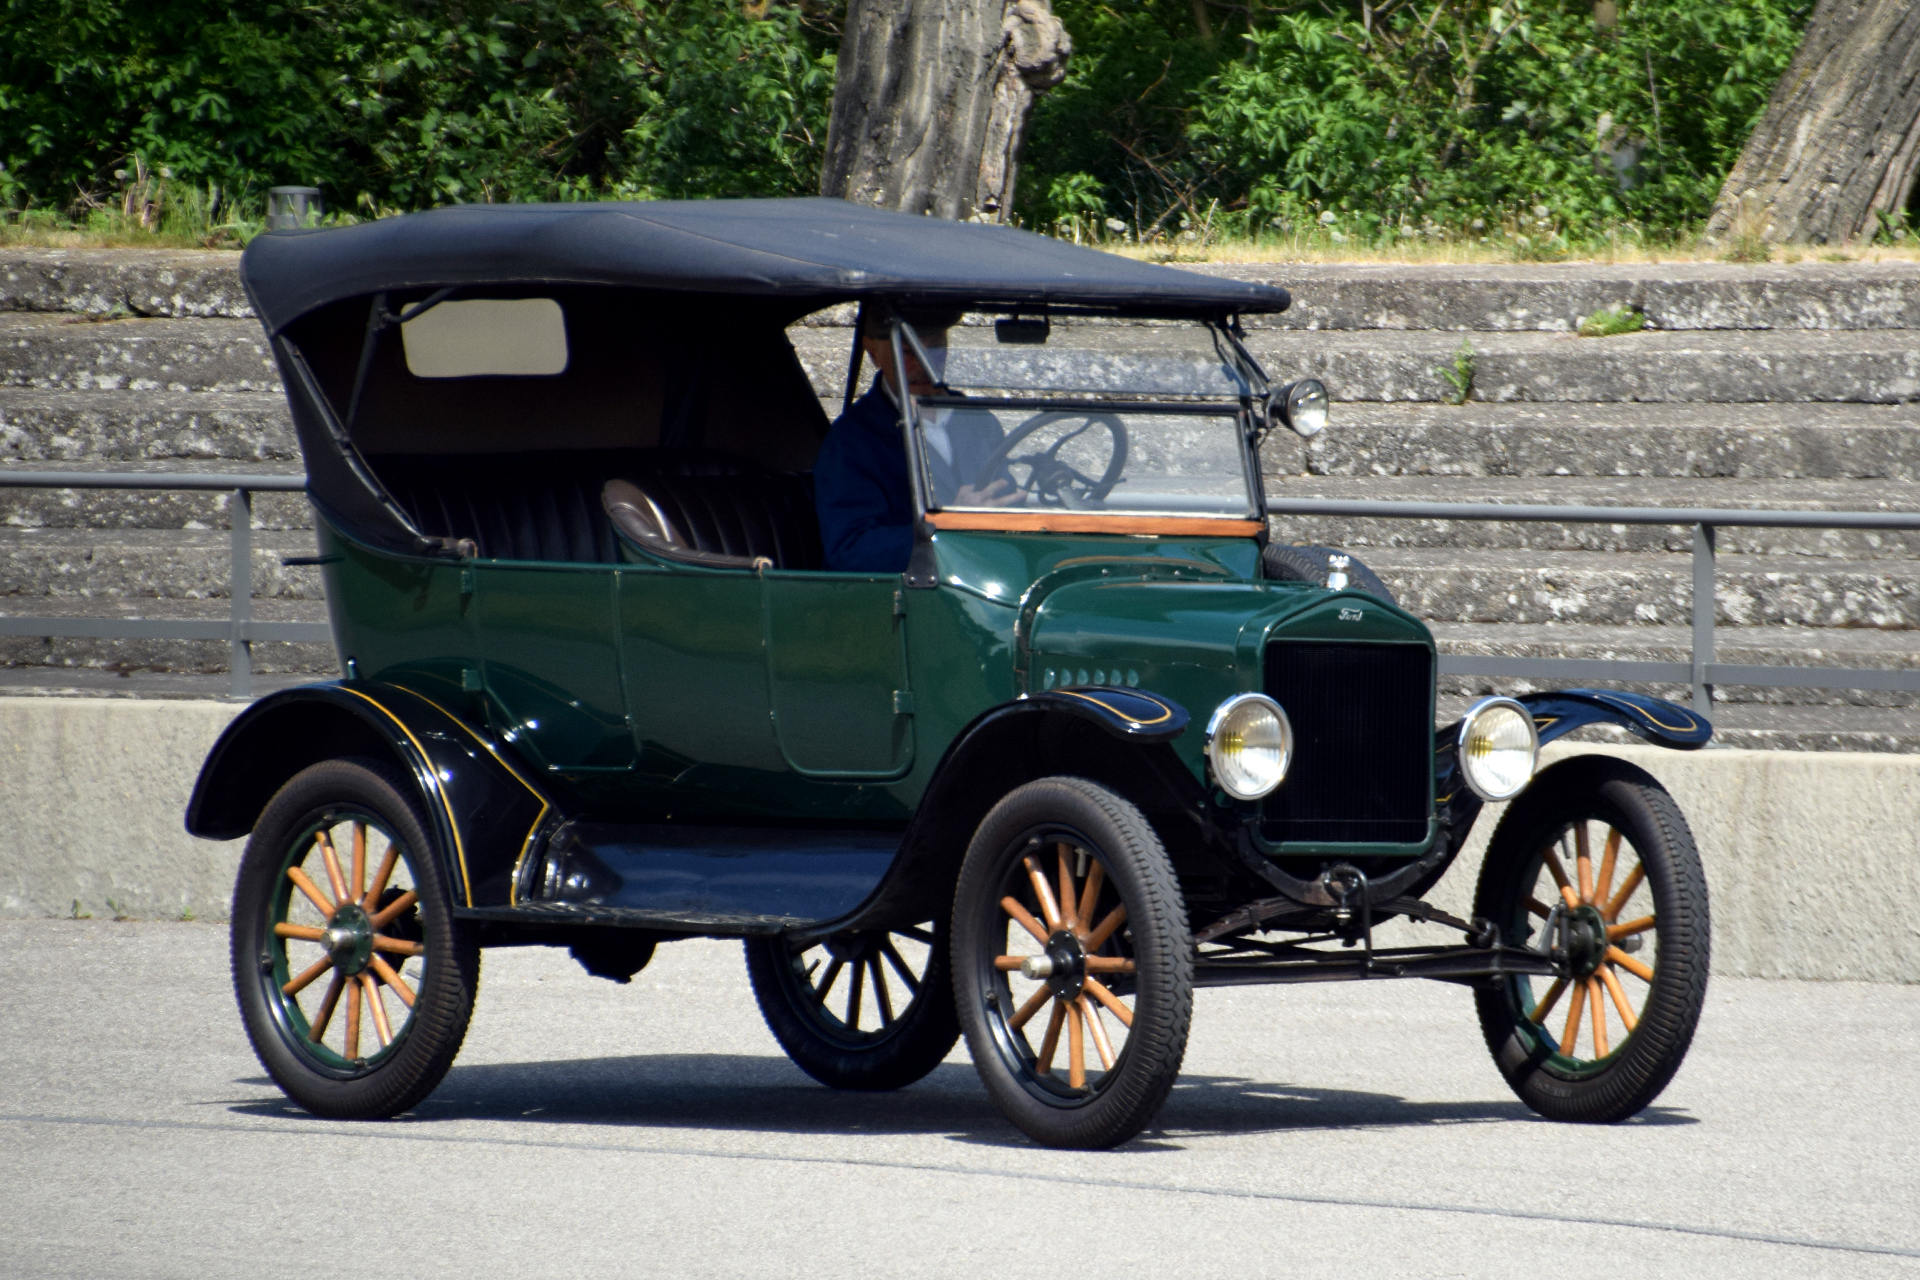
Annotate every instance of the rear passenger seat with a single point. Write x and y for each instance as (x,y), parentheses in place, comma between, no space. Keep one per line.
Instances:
(549,505)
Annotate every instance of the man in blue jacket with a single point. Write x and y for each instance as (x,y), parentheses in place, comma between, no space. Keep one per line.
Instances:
(861,489)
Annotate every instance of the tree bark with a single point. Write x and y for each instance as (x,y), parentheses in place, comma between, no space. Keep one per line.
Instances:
(1840,139)
(931,100)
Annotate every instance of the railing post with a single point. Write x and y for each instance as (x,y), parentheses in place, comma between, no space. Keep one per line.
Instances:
(240,592)
(1703,541)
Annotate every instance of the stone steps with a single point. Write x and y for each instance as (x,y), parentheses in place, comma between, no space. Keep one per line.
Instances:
(62,353)
(31,656)
(118,564)
(121,426)
(1790,495)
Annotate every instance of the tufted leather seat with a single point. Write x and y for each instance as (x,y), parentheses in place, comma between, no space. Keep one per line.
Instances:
(735,521)
(549,506)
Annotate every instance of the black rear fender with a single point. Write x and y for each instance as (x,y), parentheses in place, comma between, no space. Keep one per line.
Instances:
(485,811)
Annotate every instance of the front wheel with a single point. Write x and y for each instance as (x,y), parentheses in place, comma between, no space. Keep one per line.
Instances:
(871,1009)
(1595,863)
(1073,967)
(355,982)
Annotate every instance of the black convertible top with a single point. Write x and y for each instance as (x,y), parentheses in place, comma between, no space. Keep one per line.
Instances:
(806,252)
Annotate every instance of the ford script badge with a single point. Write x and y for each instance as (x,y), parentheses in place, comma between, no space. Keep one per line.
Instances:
(1352,615)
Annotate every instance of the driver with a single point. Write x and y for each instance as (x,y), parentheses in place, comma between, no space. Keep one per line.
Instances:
(861,490)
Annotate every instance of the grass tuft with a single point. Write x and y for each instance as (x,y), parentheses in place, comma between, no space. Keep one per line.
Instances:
(1608,321)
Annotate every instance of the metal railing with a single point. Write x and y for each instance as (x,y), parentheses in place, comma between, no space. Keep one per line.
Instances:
(240,631)
(1702,673)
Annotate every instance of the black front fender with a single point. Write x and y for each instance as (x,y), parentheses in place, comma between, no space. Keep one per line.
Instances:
(483,806)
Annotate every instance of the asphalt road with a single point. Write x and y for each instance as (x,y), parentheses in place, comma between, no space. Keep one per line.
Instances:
(597,1130)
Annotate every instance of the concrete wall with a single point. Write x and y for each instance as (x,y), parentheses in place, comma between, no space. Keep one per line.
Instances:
(1812,858)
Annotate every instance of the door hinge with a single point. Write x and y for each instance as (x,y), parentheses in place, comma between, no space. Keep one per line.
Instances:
(902,702)
(900,603)
(466,580)
(470,680)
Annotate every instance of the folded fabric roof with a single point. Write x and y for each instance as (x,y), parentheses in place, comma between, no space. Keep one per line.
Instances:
(806,252)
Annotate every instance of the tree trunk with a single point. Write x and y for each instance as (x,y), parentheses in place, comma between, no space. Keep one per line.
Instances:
(931,100)
(1840,138)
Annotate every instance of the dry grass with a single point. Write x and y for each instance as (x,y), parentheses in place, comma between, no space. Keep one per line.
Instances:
(1318,250)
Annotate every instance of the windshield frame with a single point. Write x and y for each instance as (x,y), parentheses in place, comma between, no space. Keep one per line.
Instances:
(1252,412)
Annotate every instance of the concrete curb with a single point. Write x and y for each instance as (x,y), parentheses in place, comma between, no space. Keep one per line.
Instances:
(1812,859)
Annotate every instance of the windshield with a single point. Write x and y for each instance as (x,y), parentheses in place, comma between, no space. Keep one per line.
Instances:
(1127,418)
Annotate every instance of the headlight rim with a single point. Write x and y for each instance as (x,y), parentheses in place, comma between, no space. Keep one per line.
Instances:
(1219,718)
(1299,390)
(1467,722)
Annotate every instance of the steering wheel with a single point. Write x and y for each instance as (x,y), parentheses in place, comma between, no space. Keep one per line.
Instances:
(1049,480)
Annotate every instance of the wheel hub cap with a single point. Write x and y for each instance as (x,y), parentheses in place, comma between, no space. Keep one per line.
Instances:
(1068,966)
(1586,940)
(349,940)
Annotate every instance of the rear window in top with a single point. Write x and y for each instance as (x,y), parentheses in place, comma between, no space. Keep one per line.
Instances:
(487,338)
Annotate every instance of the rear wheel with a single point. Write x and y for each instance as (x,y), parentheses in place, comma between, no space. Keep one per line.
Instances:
(865,1010)
(1073,967)
(354,980)
(1595,861)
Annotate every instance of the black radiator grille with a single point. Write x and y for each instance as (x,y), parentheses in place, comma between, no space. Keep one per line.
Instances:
(1362,764)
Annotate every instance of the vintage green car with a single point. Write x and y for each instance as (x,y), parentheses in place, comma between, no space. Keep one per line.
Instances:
(1096,744)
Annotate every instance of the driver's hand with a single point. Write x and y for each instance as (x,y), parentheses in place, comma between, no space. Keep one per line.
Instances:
(998,494)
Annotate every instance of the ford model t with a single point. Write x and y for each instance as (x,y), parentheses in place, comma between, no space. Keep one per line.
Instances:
(988,711)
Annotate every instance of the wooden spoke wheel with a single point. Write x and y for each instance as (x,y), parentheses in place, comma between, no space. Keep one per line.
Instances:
(1594,865)
(865,1010)
(1073,968)
(353,980)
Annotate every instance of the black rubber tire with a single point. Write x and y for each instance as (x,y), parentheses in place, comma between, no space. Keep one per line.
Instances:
(1627,1080)
(445,994)
(823,1046)
(1139,873)
(1308,563)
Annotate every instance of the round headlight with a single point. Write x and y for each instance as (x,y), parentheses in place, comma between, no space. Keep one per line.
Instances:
(1249,745)
(1305,407)
(1498,748)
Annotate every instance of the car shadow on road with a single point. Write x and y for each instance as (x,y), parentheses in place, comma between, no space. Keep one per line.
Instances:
(767,1094)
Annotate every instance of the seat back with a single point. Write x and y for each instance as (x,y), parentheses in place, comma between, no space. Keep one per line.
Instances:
(549,505)
(708,519)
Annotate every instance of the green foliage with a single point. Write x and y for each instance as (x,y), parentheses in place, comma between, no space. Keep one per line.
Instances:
(395,104)
(1608,321)
(1459,374)
(1440,118)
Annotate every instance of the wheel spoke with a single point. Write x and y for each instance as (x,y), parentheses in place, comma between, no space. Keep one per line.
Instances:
(856,983)
(1115,918)
(1583,860)
(900,967)
(325,1014)
(1099,1033)
(378,1009)
(304,933)
(880,993)
(1069,900)
(1012,907)
(358,884)
(398,946)
(332,859)
(1538,907)
(1546,1003)
(1615,932)
(1598,1016)
(395,909)
(301,983)
(1098,990)
(1627,886)
(312,890)
(1559,873)
(1051,1041)
(1076,1048)
(1108,964)
(1009,964)
(1604,881)
(1090,893)
(1041,891)
(382,874)
(1031,1007)
(1570,1038)
(1619,995)
(353,1020)
(826,983)
(394,980)
(917,934)
(1631,965)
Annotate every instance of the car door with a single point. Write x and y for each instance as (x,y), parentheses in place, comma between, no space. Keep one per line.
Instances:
(551,662)
(837,673)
